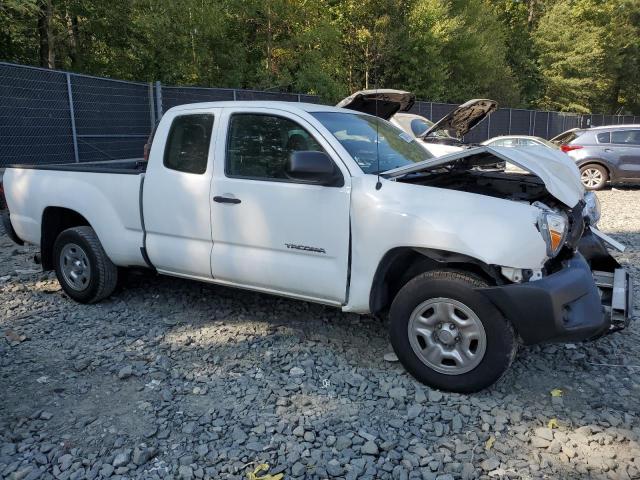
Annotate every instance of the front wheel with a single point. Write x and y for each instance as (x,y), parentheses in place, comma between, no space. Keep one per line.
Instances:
(448,335)
(84,270)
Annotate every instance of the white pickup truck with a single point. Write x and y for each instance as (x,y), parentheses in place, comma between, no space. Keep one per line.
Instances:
(335,206)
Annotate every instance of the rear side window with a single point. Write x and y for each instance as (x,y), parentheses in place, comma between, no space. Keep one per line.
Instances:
(566,137)
(258,146)
(187,147)
(418,127)
(629,137)
(604,137)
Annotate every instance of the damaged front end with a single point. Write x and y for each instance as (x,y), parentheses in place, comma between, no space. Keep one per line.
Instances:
(580,291)
(613,281)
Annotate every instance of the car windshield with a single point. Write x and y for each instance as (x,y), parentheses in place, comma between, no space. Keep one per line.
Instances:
(358,133)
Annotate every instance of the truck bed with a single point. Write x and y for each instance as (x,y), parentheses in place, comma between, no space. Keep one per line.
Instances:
(130,166)
(106,194)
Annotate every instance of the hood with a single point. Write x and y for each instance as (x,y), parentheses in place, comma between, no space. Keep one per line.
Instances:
(389,102)
(558,172)
(461,120)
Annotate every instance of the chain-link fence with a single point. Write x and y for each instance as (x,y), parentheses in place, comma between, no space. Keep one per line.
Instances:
(49,116)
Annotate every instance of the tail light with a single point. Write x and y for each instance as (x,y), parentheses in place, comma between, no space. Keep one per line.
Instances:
(567,148)
(147,149)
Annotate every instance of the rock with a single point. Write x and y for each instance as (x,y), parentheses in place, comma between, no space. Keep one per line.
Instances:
(398,393)
(538,442)
(296,372)
(121,459)
(185,472)
(125,372)
(490,464)
(334,468)
(369,448)
(46,415)
(298,431)
(309,436)
(390,357)
(106,470)
(238,435)
(65,461)
(414,411)
(297,470)
(342,442)
(143,455)
(435,396)
(545,433)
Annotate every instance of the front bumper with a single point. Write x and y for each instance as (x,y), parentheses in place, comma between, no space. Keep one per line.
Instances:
(570,305)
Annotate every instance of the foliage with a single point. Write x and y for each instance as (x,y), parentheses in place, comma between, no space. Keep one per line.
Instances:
(572,55)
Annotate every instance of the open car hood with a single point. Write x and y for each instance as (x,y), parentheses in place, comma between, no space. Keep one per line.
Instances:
(556,169)
(383,102)
(466,116)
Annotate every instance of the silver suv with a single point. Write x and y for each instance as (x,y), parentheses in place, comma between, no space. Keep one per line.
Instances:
(610,153)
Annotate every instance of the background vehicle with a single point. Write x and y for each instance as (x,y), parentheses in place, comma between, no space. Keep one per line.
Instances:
(341,208)
(608,153)
(417,125)
(519,141)
(440,138)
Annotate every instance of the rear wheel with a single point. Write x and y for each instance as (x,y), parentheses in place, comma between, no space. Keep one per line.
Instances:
(594,177)
(448,335)
(84,270)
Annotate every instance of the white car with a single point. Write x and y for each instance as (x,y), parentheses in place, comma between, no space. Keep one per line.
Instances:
(338,207)
(520,141)
(440,138)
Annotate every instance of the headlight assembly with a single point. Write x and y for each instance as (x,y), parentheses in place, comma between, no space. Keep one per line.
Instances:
(553,228)
(592,208)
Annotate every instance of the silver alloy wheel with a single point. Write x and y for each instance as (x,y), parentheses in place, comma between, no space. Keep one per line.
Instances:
(75,268)
(447,336)
(591,177)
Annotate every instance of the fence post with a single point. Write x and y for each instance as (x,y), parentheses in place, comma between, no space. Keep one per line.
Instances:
(532,129)
(548,121)
(510,111)
(152,108)
(431,111)
(72,115)
(234,94)
(158,99)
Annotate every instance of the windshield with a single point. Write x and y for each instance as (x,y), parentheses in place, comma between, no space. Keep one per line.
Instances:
(357,134)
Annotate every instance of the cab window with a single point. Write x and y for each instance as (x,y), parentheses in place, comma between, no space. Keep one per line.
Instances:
(187,148)
(258,145)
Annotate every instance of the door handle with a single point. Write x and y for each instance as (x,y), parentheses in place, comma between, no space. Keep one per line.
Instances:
(226,200)
(608,149)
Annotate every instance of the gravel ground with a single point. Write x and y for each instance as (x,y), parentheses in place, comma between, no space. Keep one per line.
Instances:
(176,379)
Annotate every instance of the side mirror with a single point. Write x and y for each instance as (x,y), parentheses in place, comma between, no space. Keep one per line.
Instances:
(313,167)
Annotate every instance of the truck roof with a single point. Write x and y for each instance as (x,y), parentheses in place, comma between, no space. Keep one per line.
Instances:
(279,105)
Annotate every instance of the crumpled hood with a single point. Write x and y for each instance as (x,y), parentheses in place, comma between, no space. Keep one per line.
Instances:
(556,169)
(464,117)
(382,102)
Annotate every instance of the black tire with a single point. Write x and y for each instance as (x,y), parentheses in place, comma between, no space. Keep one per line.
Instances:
(598,172)
(500,340)
(103,276)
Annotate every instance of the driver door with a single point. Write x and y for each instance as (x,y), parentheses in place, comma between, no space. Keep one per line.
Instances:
(269,232)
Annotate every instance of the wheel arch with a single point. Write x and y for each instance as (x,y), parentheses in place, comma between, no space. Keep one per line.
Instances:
(401,264)
(596,161)
(54,221)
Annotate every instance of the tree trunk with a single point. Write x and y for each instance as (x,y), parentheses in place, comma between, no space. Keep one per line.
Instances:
(74,41)
(45,33)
